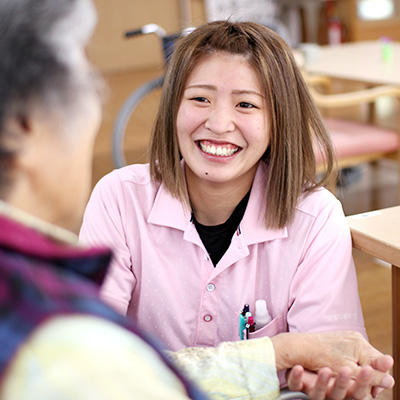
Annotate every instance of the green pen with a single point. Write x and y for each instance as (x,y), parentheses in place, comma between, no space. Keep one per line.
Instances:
(242,326)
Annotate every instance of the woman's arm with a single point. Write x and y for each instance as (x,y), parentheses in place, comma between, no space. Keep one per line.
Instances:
(103,225)
(323,292)
(243,369)
(346,365)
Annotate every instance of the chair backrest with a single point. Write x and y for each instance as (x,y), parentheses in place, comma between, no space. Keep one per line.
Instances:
(357,142)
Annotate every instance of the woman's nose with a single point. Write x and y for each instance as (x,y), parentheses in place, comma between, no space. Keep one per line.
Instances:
(220,120)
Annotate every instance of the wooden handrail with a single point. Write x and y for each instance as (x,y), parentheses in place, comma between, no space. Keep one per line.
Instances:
(347,99)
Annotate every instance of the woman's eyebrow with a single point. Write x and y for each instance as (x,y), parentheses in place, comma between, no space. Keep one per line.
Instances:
(247,92)
(201,86)
(236,91)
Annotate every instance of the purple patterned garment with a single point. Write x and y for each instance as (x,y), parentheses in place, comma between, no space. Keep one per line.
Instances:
(40,278)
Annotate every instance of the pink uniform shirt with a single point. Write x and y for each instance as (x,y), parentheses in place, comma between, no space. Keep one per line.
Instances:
(163,278)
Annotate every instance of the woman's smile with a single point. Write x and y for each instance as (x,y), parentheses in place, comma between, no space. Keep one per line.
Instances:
(222,150)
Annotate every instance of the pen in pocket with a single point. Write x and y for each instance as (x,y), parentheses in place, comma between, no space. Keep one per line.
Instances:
(243,316)
(252,324)
(248,323)
(242,325)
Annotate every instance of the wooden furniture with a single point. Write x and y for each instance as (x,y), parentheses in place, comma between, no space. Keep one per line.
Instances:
(378,233)
(363,62)
(357,142)
(360,61)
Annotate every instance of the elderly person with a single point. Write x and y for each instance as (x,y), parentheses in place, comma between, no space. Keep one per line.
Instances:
(57,339)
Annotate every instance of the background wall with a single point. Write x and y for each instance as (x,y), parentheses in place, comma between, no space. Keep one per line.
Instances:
(374,29)
(111,52)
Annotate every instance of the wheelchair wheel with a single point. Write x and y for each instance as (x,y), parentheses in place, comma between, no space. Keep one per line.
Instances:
(124,115)
(286,394)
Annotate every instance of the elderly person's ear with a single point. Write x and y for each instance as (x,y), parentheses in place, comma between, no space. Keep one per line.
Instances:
(15,131)
(14,140)
(32,142)
(23,138)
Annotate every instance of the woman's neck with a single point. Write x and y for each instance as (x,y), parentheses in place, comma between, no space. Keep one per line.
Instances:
(213,203)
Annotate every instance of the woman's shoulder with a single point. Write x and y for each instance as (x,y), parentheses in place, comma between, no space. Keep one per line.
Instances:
(130,183)
(317,201)
(134,173)
(135,177)
(319,209)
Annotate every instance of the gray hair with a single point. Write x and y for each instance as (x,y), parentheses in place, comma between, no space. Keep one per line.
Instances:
(41,47)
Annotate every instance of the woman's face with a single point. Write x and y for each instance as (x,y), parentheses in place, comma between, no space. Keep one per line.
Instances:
(223,120)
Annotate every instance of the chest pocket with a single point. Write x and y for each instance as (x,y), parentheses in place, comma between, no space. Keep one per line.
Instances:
(277,325)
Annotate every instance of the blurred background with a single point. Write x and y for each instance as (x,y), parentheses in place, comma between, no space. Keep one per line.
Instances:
(312,28)
(127,63)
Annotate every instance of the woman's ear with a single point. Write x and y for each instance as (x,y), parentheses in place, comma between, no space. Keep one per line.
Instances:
(23,123)
(16,131)
(21,137)
(14,137)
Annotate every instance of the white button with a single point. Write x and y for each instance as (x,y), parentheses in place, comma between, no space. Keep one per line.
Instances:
(210,287)
(207,318)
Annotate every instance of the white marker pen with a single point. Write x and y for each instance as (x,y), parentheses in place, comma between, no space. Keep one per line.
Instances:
(262,316)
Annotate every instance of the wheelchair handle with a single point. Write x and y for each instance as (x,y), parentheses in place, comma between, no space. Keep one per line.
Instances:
(146,29)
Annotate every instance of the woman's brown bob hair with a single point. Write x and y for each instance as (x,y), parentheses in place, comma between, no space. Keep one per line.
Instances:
(296,125)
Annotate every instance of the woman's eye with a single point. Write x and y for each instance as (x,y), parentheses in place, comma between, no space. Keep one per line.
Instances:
(200,99)
(245,104)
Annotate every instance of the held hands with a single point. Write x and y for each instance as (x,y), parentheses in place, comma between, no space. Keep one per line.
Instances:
(329,385)
(346,364)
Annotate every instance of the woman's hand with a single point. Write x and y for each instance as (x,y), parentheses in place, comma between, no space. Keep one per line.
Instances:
(354,367)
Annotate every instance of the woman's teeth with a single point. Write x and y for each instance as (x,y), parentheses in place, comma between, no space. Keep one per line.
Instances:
(222,151)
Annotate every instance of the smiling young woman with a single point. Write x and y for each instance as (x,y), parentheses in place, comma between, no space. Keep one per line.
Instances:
(230,209)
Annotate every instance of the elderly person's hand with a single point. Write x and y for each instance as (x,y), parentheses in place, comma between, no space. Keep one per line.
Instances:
(346,364)
(336,386)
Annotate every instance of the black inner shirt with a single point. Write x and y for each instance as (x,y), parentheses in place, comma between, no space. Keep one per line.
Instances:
(217,238)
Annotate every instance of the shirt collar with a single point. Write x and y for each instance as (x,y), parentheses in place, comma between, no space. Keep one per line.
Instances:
(169,211)
(253,226)
(50,230)
(28,235)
